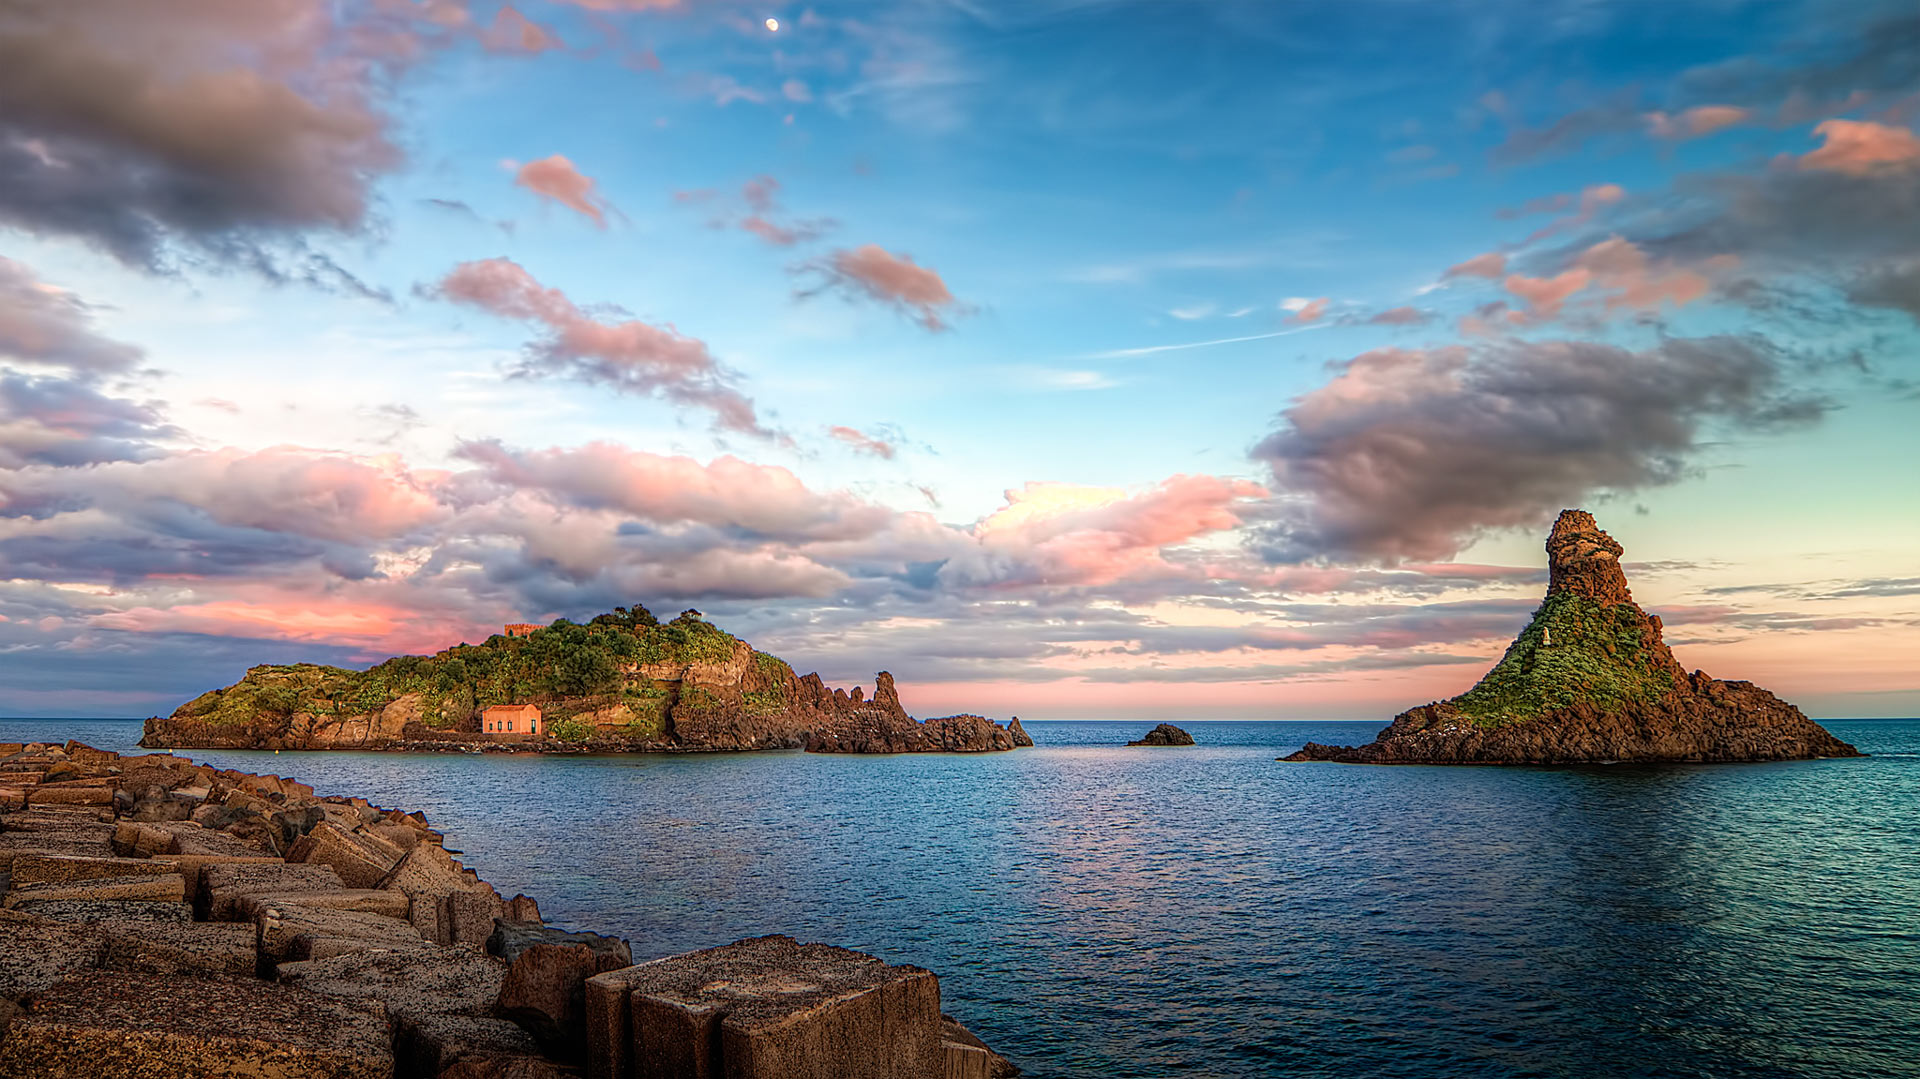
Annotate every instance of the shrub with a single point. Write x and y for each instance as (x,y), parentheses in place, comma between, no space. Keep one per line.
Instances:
(570,729)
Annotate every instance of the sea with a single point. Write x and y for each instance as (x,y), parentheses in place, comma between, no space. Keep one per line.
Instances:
(1101,911)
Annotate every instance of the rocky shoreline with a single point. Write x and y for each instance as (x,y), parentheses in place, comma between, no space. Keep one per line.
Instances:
(1590,681)
(327,938)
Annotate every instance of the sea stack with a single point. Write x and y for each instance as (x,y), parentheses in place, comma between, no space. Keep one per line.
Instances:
(1589,680)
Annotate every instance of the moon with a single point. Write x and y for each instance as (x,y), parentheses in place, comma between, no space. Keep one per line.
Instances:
(773,25)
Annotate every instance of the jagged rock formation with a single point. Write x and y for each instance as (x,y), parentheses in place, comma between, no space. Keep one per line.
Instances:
(623,682)
(1590,680)
(1166,734)
(1020,735)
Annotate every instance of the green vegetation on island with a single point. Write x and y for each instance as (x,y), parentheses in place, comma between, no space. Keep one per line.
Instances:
(567,668)
(1574,649)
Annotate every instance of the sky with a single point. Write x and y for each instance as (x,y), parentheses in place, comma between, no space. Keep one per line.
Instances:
(1066,358)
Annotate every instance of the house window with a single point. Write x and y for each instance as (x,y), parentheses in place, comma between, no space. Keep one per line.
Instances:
(509,725)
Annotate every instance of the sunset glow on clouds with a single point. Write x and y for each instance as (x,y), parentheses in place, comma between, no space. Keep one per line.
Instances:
(923,337)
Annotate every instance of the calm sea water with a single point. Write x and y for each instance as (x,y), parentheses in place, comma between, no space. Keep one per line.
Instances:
(1101,911)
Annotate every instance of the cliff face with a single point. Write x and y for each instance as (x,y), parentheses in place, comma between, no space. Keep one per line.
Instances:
(621,683)
(1588,680)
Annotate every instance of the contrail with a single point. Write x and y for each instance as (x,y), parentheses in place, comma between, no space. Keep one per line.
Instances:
(1123,353)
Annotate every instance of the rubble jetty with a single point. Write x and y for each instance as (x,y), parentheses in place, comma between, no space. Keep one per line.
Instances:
(161,917)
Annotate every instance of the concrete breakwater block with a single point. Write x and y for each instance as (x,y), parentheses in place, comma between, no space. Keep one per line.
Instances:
(131,1026)
(765,1008)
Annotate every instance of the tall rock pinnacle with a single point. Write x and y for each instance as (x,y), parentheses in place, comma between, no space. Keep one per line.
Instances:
(1584,560)
(1590,680)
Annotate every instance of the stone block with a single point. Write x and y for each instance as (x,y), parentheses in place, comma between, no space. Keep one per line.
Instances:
(507,1068)
(140,839)
(67,869)
(223,885)
(35,954)
(365,900)
(192,865)
(459,981)
(968,1057)
(427,913)
(289,932)
(169,888)
(12,798)
(522,909)
(544,992)
(510,938)
(362,860)
(428,868)
(768,1007)
(97,795)
(428,1043)
(71,842)
(85,911)
(470,916)
(122,1026)
(179,948)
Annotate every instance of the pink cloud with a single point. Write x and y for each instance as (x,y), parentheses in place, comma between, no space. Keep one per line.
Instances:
(1641,283)
(726,492)
(1068,534)
(1545,295)
(761,198)
(1310,311)
(1490,265)
(1400,316)
(631,356)
(1697,121)
(515,33)
(1862,148)
(863,442)
(555,178)
(893,279)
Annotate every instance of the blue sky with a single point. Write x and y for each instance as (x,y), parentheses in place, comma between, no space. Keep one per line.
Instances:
(1100,358)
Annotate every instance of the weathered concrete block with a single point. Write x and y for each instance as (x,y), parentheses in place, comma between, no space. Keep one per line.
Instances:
(458,981)
(510,938)
(85,911)
(290,932)
(12,798)
(965,1061)
(35,954)
(428,1043)
(71,842)
(176,948)
(544,992)
(522,909)
(362,860)
(191,866)
(169,888)
(100,795)
(135,838)
(507,1068)
(365,900)
(427,913)
(770,1007)
(470,916)
(428,868)
(223,885)
(123,1026)
(67,869)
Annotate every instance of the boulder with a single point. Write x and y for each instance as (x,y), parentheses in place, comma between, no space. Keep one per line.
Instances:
(765,1008)
(1166,734)
(133,1026)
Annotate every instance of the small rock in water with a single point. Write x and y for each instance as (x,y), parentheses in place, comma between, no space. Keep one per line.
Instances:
(1166,734)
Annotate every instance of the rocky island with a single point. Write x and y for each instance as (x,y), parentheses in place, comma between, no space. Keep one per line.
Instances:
(1166,734)
(1590,680)
(623,682)
(162,917)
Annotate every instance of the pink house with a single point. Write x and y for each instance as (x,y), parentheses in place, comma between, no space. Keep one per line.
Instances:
(512,719)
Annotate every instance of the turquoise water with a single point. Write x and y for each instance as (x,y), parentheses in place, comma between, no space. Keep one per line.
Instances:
(1101,911)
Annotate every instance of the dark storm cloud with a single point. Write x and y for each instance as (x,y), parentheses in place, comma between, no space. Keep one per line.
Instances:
(1412,454)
